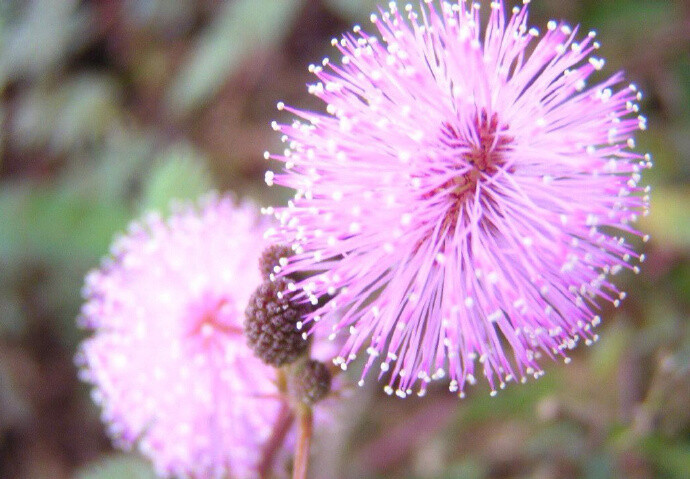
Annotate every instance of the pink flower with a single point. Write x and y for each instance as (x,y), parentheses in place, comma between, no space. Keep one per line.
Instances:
(167,356)
(463,201)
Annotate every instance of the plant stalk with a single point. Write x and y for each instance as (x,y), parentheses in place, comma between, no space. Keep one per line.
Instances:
(306,423)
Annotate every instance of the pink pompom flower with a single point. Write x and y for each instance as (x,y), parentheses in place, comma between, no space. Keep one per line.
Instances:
(465,199)
(168,358)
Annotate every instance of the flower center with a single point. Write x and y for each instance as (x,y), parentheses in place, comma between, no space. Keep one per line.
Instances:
(483,153)
(476,154)
(212,319)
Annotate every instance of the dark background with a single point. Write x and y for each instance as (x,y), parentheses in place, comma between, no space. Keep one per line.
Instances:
(111,108)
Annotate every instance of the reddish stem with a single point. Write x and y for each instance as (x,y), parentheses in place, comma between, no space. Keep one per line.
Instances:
(306,422)
(280,430)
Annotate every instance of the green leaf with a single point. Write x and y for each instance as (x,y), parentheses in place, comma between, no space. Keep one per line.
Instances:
(163,16)
(628,23)
(669,218)
(469,468)
(65,226)
(89,107)
(242,28)
(671,458)
(67,117)
(3,132)
(118,467)
(71,220)
(41,37)
(12,322)
(562,436)
(515,400)
(122,164)
(604,360)
(61,232)
(599,466)
(181,174)
(353,10)
(11,232)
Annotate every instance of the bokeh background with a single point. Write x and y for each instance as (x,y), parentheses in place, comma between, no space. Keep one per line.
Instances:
(113,107)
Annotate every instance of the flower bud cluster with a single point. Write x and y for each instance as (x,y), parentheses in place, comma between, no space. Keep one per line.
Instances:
(271,324)
(271,330)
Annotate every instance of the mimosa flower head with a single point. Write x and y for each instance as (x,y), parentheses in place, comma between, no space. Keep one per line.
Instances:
(167,356)
(466,197)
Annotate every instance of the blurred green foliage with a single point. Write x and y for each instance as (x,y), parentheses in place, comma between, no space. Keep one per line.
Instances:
(241,28)
(112,108)
(355,10)
(117,467)
(180,173)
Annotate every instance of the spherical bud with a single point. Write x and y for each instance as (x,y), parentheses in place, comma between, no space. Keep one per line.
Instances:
(311,382)
(272,257)
(271,324)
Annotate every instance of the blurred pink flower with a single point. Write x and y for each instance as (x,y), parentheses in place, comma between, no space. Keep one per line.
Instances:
(167,356)
(464,197)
